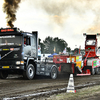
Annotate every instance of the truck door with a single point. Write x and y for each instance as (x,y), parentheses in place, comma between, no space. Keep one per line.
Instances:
(27,46)
(34,44)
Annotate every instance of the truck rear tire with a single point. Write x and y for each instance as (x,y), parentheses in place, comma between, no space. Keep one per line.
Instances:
(93,71)
(97,70)
(30,72)
(3,74)
(54,73)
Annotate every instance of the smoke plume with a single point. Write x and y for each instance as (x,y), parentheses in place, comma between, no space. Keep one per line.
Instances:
(60,10)
(10,8)
(95,27)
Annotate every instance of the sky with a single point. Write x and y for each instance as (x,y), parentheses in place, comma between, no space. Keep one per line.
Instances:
(66,19)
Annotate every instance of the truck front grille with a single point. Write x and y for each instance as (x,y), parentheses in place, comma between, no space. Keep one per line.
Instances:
(3,63)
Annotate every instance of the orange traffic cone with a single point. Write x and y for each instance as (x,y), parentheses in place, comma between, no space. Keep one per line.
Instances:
(70,87)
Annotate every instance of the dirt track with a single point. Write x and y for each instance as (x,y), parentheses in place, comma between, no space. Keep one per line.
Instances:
(16,86)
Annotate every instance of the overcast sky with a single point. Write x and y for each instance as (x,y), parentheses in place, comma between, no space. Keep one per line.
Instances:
(66,19)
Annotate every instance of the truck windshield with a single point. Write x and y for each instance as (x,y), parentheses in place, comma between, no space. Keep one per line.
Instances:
(90,42)
(10,40)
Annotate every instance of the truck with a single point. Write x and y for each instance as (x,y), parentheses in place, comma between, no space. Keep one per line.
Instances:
(89,64)
(91,61)
(19,55)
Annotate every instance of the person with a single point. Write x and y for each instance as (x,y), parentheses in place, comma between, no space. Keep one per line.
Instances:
(24,40)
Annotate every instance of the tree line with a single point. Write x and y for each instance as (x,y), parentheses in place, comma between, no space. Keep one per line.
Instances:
(51,45)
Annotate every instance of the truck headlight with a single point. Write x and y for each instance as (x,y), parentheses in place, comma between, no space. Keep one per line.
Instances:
(19,62)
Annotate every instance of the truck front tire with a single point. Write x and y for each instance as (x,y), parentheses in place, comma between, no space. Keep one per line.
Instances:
(3,74)
(54,73)
(30,72)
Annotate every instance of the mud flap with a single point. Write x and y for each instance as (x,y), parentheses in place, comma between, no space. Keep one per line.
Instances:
(78,70)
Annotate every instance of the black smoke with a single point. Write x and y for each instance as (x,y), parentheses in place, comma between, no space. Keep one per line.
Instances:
(10,8)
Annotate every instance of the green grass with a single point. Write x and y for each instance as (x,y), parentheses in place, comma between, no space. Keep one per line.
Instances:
(79,95)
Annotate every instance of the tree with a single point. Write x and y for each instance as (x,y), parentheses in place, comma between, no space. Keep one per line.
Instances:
(41,45)
(76,51)
(48,45)
(59,44)
(68,49)
(51,45)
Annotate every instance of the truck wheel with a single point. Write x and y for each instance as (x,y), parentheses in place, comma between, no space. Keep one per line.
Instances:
(30,72)
(54,73)
(97,70)
(93,71)
(3,74)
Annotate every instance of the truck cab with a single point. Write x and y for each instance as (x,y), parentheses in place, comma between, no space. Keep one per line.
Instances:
(91,46)
(18,52)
